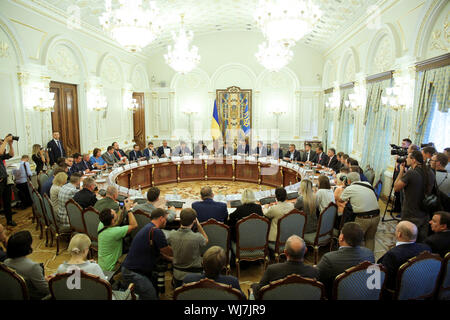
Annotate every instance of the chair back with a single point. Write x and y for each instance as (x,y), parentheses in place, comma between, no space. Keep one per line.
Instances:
(370,175)
(356,282)
(235,203)
(267,200)
(326,224)
(293,223)
(142,219)
(207,289)
(378,187)
(39,207)
(42,178)
(292,195)
(444,290)
(91,220)
(50,213)
(82,286)
(75,214)
(293,287)
(218,235)
(252,234)
(418,278)
(12,284)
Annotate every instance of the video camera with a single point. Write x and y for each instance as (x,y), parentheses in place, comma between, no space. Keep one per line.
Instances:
(429,144)
(402,153)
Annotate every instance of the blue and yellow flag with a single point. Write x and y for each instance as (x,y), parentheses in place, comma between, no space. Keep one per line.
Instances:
(215,128)
(246,120)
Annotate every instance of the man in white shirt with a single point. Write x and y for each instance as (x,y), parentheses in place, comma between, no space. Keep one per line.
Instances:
(364,204)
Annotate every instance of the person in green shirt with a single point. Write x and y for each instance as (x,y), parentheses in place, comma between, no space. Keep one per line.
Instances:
(109,201)
(110,236)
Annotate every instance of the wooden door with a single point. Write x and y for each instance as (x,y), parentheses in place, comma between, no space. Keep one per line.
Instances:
(139,120)
(65,117)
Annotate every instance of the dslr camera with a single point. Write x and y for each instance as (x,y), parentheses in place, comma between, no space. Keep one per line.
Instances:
(15,138)
(402,153)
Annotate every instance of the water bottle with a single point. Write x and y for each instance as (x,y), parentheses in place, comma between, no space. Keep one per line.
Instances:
(140,190)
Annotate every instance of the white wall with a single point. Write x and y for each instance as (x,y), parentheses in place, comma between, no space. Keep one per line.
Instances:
(228,59)
(38,45)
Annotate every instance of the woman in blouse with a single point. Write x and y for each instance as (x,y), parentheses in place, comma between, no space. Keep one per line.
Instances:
(97,160)
(59,180)
(38,158)
(306,202)
(324,195)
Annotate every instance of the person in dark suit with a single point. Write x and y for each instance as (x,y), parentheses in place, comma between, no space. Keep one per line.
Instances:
(260,150)
(135,154)
(160,151)
(295,251)
(243,148)
(118,153)
(55,148)
(275,152)
(208,208)
(85,164)
(86,197)
(321,158)
(292,154)
(439,242)
(225,151)
(333,161)
(214,262)
(350,254)
(109,156)
(150,151)
(308,155)
(247,207)
(405,249)
(76,167)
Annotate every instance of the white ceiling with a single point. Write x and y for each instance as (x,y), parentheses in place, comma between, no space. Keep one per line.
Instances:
(209,16)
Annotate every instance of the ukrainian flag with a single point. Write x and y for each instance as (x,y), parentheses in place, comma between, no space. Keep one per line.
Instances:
(215,128)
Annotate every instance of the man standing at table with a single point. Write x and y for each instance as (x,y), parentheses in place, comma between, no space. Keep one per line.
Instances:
(55,148)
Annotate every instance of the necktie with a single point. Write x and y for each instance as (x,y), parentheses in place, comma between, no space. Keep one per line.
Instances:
(59,146)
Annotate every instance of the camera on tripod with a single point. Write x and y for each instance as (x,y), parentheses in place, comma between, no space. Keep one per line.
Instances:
(402,153)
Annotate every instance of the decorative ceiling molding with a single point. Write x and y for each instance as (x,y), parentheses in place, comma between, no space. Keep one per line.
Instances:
(209,16)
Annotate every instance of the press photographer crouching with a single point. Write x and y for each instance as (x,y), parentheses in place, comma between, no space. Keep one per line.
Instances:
(5,188)
(364,204)
(416,183)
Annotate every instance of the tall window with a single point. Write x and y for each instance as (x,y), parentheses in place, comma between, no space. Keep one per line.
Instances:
(439,129)
(351,129)
(330,133)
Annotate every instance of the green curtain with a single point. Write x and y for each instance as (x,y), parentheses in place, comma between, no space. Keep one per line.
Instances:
(377,134)
(432,86)
(345,118)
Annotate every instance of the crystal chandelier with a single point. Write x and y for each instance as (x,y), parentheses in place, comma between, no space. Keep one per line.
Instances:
(274,56)
(287,20)
(131,25)
(180,57)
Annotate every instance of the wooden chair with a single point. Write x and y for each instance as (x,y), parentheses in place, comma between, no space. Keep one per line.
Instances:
(33,209)
(218,235)
(75,214)
(207,289)
(40,215)
(252,238)
(267,200)
(142,219)
(91,220)
(293,223)
(13,286)
(55,230)
(293,287)
(444,288)
(324,234)
(418,278)
(91,287)
(352,284)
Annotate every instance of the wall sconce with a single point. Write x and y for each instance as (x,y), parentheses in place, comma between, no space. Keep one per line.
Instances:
(96,100)
(39,97)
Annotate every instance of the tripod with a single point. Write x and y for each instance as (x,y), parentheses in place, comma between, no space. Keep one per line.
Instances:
(390,202)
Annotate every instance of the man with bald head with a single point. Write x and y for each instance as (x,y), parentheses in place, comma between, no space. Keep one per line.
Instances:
(294,250)
(405,249)
(208,208)
(109,201)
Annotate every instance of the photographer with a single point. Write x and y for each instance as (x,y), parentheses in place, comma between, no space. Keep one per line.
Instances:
(427,152)
(416,182)
(5,189)
(365,206)
(400,157)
